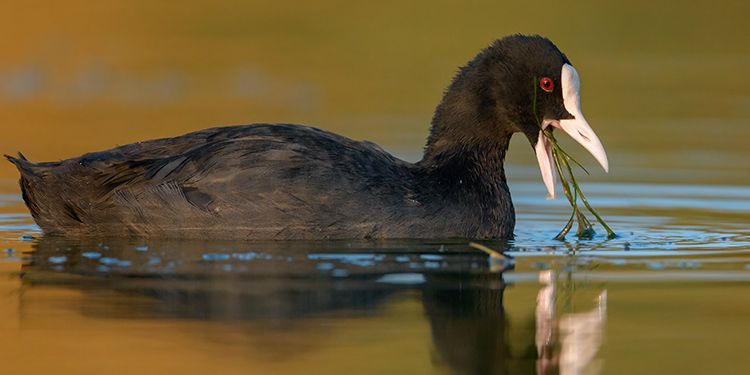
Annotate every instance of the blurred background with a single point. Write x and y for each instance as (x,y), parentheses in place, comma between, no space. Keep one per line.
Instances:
(664,84)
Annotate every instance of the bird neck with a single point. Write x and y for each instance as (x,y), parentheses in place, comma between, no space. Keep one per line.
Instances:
(467,176)
(471,170)
(466,144)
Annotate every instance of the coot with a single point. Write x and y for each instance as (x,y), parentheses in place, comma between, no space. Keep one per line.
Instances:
(281,181)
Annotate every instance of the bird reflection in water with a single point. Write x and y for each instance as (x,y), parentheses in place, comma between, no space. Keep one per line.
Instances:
(567,345)
(281,284)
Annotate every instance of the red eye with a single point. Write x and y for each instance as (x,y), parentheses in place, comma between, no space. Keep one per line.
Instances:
(546,84)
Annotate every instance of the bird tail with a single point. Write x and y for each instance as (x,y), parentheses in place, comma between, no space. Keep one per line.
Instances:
(23,164)
(31,181)
(49,191)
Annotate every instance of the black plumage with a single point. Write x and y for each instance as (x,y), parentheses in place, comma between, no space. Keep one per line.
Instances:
(280,181)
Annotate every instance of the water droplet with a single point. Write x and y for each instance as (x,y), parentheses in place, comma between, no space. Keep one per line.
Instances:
(109,261)
(245,256)
(57,259)
(215,257)
(324,266)
(689,264)
(402,278)
(432,265)
(431,257)
(340,273)
(655,265)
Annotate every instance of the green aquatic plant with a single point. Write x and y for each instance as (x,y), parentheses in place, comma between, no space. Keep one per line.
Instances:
(571,189)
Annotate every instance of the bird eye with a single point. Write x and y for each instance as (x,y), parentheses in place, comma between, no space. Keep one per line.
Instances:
(546,84)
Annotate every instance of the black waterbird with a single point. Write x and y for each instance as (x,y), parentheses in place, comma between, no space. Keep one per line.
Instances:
(280,181)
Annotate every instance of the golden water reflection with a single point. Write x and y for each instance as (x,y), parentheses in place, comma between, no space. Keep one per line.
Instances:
(78,307)
(274,315)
